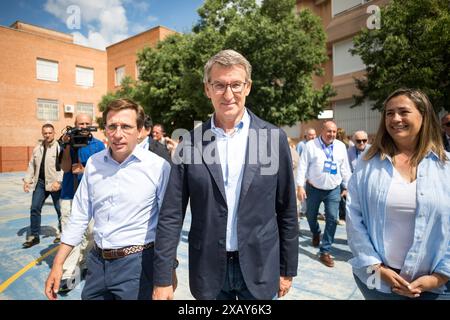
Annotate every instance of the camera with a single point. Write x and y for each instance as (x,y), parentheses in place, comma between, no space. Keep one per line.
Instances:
(78,137)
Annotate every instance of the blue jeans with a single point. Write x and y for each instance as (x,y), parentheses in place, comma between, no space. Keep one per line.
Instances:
(234,287)
(37,201)
(373,294)
(126,278)
(331,199)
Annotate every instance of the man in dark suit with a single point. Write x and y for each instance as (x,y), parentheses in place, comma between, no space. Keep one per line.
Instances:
(147,142)
(236,171)
(445,122)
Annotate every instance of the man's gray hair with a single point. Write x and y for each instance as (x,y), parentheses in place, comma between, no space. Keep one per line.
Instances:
(227,58)
(360,131)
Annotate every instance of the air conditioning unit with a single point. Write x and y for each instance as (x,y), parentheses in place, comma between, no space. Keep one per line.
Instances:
(68,108)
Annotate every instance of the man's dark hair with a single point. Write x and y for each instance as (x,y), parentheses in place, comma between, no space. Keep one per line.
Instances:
(148,123)
(48,125)
(122,104)
(163,130)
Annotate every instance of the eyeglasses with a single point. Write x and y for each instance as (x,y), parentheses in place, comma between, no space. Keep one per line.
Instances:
(361,140)
(125,128)
(221,88)
(447,124)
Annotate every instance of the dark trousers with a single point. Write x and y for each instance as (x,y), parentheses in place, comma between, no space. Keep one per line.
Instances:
(234,287)
(126,278)
(37,201)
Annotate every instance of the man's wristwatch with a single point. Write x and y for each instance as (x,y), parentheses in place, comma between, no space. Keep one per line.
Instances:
(175,264)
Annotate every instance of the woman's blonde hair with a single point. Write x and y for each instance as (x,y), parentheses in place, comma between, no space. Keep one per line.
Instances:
(429,137)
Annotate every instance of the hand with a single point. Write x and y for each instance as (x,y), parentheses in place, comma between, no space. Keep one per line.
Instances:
(53,281)
(26,187)
(162,293)
(427,283)
(285,285)
(344,193)
(398,284)
(77,168)
(56,186)
(301,194)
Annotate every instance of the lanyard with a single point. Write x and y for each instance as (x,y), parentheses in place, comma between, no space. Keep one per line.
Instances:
(328,150)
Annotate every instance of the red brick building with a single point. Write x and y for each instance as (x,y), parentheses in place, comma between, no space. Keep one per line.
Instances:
(46,78)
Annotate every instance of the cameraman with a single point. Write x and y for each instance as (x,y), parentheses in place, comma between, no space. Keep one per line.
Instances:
(73,165)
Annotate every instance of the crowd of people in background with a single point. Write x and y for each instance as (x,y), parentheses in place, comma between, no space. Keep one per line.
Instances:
(123,206)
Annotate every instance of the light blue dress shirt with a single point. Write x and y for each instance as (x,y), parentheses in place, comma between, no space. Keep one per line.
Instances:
(232,149)
(299,147)
(366,216)
(123,198)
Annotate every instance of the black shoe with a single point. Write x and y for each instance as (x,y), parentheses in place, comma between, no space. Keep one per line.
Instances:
(31,241)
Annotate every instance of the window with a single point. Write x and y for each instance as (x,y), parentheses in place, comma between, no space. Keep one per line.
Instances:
(46,70)
(357,118)
(343,61)
(84,76)
(339,6)
(120,74)
(83,107)
(47,110)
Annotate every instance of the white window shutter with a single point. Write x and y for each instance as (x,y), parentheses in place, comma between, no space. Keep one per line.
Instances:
(46,70)
(84,76)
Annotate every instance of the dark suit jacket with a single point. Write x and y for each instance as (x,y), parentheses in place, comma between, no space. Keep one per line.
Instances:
(267,226)
(159,149)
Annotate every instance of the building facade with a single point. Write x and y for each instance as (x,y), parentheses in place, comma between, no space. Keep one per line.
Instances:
(46,78)
(342,20)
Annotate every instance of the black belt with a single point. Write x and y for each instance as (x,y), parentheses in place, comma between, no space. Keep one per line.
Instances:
(232,254)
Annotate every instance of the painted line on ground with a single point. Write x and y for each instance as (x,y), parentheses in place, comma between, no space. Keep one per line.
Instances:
(18,274)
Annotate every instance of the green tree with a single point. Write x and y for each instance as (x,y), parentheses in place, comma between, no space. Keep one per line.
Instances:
(411,49)
(285,49)
(127,90)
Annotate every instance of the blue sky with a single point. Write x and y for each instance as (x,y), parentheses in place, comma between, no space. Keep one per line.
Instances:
(99,23)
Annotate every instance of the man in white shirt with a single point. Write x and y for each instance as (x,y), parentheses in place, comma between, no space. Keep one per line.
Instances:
(122,190)
(322,169)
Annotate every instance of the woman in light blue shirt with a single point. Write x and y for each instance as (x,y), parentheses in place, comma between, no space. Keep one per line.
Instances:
(398,208)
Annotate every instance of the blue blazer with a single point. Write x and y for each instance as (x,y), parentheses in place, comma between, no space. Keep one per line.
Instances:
(267,226)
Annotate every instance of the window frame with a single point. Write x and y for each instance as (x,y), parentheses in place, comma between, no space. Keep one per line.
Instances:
(39,75)
(43,101)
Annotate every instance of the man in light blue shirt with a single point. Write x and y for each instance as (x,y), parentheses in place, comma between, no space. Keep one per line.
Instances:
(122,189)
(310,134)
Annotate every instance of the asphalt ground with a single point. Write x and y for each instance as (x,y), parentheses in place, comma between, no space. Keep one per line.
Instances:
(23,271)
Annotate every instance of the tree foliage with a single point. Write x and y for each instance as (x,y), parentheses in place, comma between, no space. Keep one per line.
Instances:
(127,91)
(285,49)
(411,49)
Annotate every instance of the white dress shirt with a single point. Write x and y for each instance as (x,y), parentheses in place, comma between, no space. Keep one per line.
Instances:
(123,198)
(232,149)
(312,162)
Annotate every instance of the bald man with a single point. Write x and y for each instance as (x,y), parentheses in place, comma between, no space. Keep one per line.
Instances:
(73,166)
(323,168)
